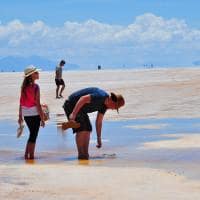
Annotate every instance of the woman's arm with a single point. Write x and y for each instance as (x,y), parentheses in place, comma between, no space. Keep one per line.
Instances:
(20,118)
(39,108)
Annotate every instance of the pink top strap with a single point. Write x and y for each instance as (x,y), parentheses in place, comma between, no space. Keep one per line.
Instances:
(28,98)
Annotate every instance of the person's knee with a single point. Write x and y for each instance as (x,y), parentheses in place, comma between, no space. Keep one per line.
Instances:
(32,138)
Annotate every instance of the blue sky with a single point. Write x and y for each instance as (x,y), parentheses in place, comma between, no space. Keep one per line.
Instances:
(108,11)
(110,32)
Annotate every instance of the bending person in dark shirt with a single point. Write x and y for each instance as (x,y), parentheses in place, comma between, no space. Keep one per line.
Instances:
(85,101)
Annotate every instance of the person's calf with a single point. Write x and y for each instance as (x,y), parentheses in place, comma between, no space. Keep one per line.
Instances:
(57,91)
(32,151)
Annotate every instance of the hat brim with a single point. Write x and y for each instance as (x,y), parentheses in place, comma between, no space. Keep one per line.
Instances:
(32,72)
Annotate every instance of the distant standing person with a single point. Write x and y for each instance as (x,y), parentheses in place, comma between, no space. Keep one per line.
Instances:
(77,107)
(59,80)
(30,108)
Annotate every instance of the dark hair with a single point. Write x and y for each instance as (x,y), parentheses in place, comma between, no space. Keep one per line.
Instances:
(26,82)
(62,62)
(113,97)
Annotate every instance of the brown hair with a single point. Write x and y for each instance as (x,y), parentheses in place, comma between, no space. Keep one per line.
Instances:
(118,99)
(26,82)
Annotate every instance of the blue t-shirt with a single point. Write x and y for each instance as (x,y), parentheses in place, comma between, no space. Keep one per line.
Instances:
(98,98)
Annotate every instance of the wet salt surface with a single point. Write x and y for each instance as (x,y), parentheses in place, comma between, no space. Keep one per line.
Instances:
(127,135)
(121,145)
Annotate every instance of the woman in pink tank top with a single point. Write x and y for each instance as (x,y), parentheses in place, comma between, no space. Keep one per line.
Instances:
(30,108)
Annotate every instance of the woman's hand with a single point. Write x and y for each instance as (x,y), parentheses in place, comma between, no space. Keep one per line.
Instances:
(42,123)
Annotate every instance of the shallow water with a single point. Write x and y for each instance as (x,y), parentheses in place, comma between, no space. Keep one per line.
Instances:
(121,142)
(123,135)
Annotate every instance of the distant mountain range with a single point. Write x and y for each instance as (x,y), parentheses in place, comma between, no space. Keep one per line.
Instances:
(17,63)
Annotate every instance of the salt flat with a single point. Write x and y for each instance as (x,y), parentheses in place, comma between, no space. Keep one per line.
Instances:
(150,93)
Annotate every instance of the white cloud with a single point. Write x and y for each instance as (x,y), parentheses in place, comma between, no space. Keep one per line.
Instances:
(148,38)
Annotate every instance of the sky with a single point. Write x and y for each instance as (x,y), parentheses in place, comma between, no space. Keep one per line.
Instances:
(111,33)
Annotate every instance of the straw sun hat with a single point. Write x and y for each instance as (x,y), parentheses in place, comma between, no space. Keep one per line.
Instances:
(30,70)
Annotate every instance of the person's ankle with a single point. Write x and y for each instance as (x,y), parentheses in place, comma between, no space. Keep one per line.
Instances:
(31,157)
(83,157)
